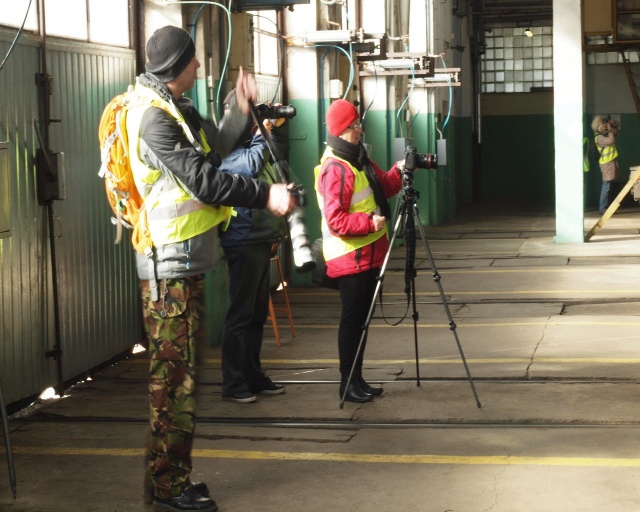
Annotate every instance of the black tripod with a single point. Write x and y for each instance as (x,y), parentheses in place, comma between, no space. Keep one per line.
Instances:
(408,217)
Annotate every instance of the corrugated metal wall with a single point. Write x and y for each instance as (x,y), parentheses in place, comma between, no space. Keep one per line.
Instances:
(97,286)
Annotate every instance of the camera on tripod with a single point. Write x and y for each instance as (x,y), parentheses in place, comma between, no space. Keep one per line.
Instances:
(265,111)
(413,160)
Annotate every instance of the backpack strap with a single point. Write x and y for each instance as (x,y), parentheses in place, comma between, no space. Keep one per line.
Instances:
(148,251)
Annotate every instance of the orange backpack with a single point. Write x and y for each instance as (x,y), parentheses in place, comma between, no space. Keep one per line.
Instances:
(122,193)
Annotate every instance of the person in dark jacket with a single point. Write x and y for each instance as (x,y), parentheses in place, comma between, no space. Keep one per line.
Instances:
(352,193)
(176,168)
(248,243)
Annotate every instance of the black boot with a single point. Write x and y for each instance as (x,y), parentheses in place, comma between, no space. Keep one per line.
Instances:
(188,501)
(369,389)
(199,488)
(354,392)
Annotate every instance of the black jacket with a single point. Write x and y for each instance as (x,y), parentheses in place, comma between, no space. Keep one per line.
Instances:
(164,146)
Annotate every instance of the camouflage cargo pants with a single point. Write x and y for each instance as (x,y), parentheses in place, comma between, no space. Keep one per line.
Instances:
(171,325)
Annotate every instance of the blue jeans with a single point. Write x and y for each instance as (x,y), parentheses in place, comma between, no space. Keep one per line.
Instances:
(604,196)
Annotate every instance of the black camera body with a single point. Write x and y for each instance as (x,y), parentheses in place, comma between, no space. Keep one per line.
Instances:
(606,119)
(413,160)
(264,111)
(300,195)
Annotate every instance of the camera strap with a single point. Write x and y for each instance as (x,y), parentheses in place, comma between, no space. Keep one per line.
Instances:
(278,161)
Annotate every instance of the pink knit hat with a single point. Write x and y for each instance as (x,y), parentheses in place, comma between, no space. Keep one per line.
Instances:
(340,116)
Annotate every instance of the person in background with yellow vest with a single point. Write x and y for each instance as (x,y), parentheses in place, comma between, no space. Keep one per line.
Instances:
(605,138)
(176,170)
(352,194)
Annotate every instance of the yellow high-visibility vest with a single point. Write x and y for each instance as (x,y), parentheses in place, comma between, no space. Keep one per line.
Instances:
(172,214)
(362,201)
(607,153)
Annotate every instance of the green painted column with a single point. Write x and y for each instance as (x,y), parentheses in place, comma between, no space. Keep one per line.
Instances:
(306,140)
(567,109)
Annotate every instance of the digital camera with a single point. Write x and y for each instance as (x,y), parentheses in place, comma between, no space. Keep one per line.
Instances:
(265,111)
(413,159)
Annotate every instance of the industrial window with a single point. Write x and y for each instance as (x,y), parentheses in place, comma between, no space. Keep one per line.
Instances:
(608,57)
(265,43)
(95,21)
(517,62)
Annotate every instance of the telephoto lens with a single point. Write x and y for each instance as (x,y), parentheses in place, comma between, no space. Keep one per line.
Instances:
(302,254)
(414,160)
(265,111)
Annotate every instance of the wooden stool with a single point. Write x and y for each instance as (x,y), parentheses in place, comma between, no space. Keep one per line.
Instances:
(287,308)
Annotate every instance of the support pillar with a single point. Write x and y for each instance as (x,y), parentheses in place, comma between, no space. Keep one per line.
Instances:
(568,108)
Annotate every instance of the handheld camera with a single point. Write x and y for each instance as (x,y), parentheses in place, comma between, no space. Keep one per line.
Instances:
(303,257)
(265,111)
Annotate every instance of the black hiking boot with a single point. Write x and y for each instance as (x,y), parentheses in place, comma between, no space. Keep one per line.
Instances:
(188,501)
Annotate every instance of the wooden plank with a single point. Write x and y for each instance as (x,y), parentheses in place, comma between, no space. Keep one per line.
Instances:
(635,175)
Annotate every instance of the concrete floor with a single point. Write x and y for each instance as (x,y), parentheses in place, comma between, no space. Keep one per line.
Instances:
(550,333)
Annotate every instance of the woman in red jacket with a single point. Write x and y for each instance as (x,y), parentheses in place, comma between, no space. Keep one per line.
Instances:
(352,193)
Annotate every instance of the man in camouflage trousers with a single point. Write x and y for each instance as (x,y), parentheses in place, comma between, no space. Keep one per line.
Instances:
(176,170)
(172,325)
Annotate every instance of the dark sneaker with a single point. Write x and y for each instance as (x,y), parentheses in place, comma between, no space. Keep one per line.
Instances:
(270,388)
(199,488)
(241,397)
(188,501)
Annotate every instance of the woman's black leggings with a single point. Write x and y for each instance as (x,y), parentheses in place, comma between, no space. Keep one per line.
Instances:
(356,294)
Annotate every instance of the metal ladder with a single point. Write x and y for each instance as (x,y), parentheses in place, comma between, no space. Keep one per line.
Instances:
(631,78)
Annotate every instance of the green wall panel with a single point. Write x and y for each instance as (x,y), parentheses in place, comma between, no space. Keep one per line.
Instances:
(518,158)
(216,303)
(460,158)
(436,186)
(305,149)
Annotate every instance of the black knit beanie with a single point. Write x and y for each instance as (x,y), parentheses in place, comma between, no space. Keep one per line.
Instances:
(169,51)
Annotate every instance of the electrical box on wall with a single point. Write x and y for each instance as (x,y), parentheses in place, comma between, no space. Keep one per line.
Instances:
(399,146)
(336,89)
(47,175)
(441,151)
(5,191)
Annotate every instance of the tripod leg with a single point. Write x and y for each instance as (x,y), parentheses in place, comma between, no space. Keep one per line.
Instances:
(415,329)
(410,284)
(7,443)
(436,279)
(372,307)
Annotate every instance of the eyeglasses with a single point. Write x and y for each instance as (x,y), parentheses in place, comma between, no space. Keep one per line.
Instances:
(356,126)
